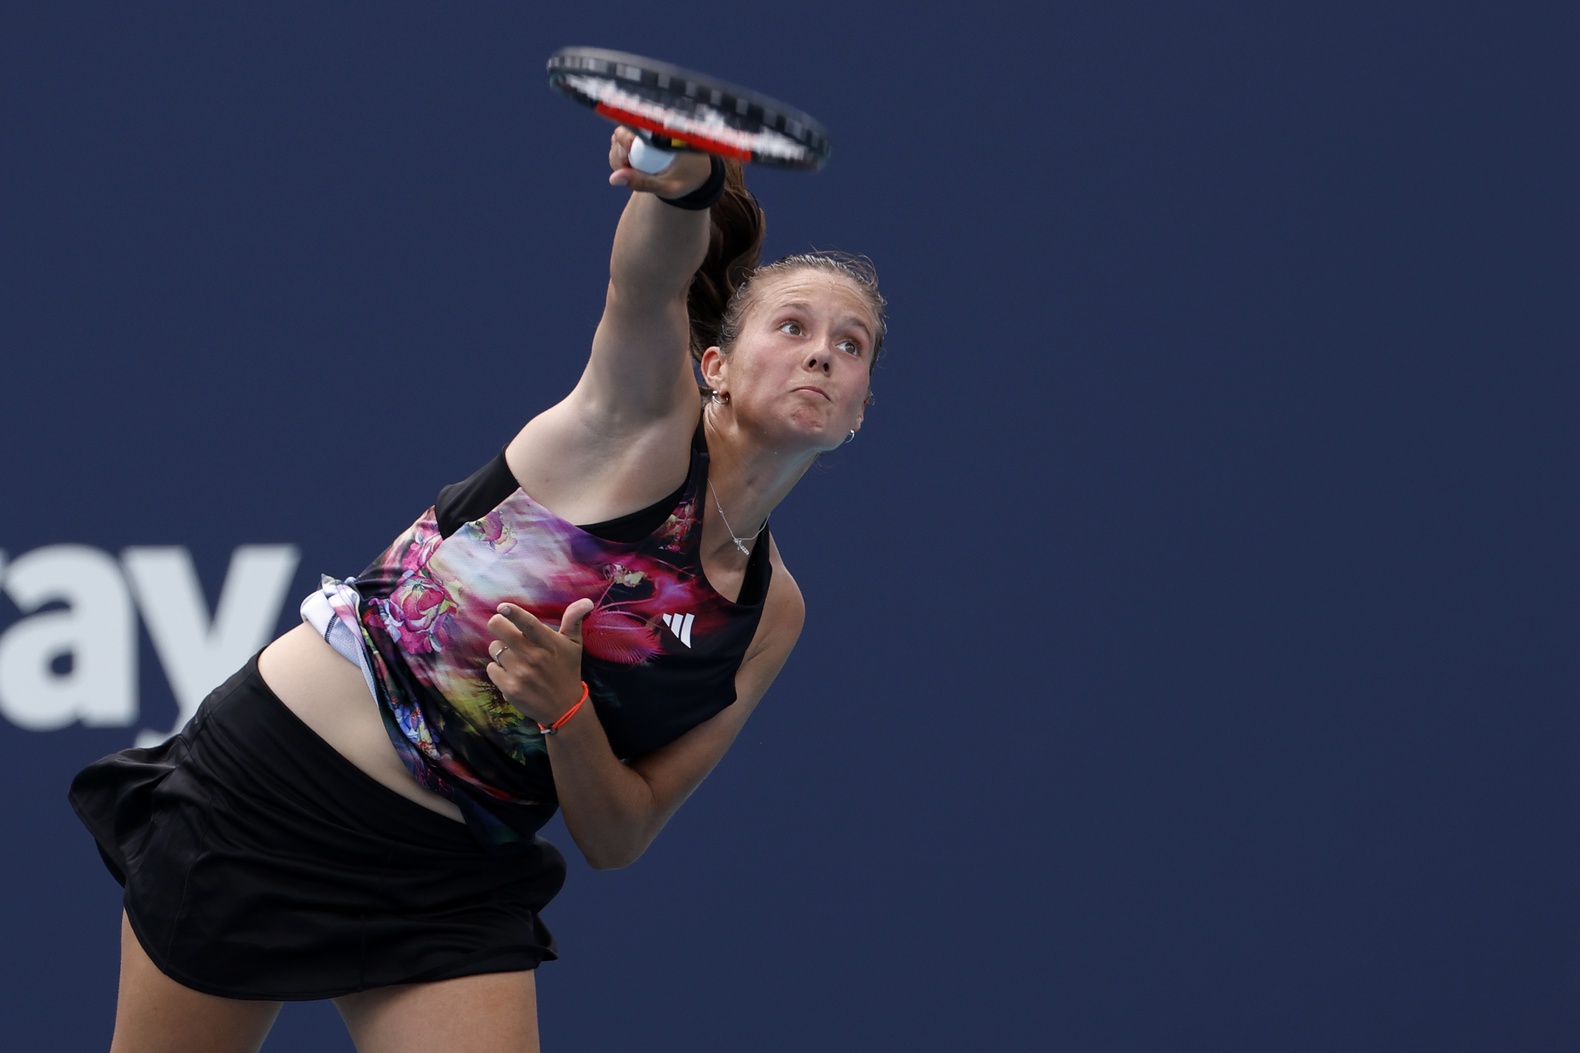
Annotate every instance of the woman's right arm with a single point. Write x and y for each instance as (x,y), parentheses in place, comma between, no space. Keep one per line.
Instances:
(624,430)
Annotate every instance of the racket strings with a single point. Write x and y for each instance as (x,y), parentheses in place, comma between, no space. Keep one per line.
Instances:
(704,122)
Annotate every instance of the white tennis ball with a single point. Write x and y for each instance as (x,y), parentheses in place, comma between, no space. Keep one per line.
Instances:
(645,157)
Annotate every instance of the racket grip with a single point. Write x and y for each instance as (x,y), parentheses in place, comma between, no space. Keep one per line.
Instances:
(645,157)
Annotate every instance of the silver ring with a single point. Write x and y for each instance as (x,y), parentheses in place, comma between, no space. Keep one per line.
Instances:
(495,657)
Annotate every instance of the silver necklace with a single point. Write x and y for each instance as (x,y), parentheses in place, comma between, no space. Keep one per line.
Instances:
(740,542)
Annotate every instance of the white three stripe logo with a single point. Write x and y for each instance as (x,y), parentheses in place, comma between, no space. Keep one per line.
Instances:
(680,625)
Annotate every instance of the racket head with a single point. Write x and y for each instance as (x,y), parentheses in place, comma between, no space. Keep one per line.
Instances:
(680,109)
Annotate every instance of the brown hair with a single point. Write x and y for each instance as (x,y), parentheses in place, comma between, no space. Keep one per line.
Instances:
(735,245)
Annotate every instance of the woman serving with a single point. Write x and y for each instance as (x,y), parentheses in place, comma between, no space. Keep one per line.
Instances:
(585,623)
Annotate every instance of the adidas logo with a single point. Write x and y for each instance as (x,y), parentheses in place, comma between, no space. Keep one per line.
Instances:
(680,625)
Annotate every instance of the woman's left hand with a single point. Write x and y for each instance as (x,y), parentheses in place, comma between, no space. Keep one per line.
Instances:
(537,669)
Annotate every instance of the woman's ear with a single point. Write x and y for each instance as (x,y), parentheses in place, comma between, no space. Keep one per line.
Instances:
(712,367)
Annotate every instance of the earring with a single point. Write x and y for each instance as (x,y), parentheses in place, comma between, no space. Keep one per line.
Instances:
(721,397)
(849,438)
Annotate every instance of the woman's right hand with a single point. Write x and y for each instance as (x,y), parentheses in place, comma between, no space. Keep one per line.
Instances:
(536,668)
(688,172)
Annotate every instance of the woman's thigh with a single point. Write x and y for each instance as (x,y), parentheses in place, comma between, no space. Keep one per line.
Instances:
(155,1014)
(487,1013)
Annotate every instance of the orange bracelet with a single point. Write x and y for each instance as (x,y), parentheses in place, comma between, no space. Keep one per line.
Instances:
(569,713)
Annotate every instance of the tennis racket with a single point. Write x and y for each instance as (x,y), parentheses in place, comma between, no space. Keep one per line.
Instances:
(675,109)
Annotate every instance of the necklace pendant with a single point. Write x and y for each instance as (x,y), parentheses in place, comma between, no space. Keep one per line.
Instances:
(742,546)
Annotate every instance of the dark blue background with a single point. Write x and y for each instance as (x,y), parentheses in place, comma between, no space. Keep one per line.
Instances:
(1191,658)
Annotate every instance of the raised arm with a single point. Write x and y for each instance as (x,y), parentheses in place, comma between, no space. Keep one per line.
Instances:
(640,364)
(620,437)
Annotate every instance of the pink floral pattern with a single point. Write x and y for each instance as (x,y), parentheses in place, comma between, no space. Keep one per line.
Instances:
(418,613)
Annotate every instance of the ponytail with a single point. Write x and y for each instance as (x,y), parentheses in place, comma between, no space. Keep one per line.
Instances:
(735,245)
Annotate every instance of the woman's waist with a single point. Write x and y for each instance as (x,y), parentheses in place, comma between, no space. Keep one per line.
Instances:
(329,695)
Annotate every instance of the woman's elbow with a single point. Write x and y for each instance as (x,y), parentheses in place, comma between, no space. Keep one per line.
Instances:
(611,858)
(613,852)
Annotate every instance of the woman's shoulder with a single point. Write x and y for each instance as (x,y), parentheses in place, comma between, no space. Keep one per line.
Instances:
(784,608)
(586,469)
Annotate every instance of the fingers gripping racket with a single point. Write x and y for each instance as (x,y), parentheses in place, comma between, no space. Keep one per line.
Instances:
(675,109)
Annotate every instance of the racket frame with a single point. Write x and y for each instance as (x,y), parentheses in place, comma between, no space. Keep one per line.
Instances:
(738,123)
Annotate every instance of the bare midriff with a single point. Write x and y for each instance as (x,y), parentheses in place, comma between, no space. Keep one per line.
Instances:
(329,695)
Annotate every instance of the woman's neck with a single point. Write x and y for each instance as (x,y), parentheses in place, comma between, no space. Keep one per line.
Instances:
(747,479)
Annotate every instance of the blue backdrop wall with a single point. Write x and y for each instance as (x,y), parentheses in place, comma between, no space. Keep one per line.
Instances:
(1191,660)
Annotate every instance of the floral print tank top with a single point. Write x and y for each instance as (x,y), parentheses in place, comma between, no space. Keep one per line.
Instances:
(660,648)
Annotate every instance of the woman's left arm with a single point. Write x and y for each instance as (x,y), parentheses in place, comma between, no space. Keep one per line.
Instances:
(614,810)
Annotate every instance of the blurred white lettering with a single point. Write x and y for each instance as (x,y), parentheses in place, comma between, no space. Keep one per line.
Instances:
(79,662)
(95,632)
(198,654)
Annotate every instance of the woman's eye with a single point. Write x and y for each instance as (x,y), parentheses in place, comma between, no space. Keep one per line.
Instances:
(793,328)
(850,347)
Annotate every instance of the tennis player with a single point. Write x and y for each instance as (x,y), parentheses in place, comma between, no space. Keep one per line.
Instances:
(583,624)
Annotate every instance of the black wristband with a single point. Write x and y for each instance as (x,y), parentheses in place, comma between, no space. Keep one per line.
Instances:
(705,196)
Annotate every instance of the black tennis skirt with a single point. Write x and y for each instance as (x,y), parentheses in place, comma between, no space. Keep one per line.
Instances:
(260,863)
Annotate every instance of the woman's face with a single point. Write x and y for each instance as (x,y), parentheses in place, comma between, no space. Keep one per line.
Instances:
(802,361)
